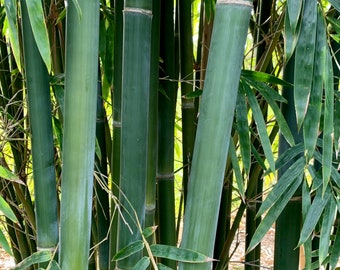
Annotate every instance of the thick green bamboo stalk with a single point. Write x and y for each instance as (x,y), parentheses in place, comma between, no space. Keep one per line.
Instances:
(116,142)
(135,122)
(214,127)
(166,124)
(39,106)
(81,77)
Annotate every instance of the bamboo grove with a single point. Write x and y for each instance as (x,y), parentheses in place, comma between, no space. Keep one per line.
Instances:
(145,134)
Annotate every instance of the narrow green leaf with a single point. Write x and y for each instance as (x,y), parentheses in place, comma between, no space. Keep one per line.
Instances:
(142,264)
(291,36)
(6,210)
(289,155)
(178,254)
(312,118)
(129,250)
(294,10)
(264,77)
(261,126)
(11,15)
(268,94)
(304,60)
(335,253)
(4,243)
(274,213)
(236,168)
(327,145)
(147,232)
(35,258)
(291,175)
(39,29)
(326,229)
(7,174)
(314,214)
(242,127)
(194,94)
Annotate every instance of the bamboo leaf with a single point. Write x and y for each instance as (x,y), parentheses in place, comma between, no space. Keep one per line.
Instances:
(142,264)
(327,145)
(35,258)
(274,212)
(312,118)
(291,37)
(4,243)
(304,60)
(236,168)
(261,126)
(263,77)
(147,232)
(11,15)
(326,229)
(294,10)
(7,174)
(242,128)
(129,250)
(289,155)
(268,94)
(293,173)
(178,254)
(314,214)
(39,29)
(6,210)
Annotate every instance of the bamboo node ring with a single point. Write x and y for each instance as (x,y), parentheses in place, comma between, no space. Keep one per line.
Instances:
(236,2)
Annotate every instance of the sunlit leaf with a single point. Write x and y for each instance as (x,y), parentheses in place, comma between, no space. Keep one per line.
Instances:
(178,254)
(6,210)
(4,243)
(11,15)
(263,77)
